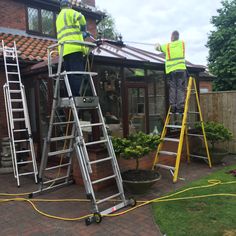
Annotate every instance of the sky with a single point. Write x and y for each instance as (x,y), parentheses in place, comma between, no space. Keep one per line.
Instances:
(152,21)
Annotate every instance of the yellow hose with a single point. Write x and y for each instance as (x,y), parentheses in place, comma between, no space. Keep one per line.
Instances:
(211,183)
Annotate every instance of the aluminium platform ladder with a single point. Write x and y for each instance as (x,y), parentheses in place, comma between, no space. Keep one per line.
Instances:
(18,122)
(185,132)
(76,141)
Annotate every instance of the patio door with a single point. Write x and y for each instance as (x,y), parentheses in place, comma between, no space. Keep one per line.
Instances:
(136,108)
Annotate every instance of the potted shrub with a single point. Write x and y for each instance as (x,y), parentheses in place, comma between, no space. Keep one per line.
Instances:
(135,147)
(216,133)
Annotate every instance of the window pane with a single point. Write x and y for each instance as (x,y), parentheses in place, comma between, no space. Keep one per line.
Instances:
(33,19)
(47,22)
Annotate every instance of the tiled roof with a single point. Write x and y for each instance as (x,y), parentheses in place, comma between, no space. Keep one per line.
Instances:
(31,49)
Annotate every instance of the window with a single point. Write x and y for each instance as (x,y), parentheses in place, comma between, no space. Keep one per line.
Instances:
(41,22)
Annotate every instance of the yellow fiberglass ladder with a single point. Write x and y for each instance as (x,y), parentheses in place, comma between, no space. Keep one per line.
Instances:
(187,129)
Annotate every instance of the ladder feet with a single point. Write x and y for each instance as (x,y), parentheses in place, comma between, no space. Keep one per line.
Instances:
(96,218)
(132,202)
(30,195)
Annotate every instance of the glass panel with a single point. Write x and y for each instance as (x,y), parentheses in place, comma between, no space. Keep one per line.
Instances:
(47,23)
(136,109)
(33,19)
(109,81)
(156,95)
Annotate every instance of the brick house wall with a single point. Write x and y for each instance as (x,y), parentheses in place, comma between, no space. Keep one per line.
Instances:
(12,14)
(206,85)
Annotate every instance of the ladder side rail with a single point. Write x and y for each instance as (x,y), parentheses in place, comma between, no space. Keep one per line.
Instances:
(17,62)
(182,132)
(73,132)
(110,148)
(163,134)
(28,127)
(79,130)
(202,124)
(9,125)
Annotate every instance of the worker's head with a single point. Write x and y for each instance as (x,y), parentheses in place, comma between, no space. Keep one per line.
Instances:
(65,4)
(174,36)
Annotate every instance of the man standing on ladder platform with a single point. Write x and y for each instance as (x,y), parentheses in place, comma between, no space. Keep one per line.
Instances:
(71,26)
(176,70)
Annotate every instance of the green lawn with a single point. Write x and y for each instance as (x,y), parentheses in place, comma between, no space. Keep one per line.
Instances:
(200,217)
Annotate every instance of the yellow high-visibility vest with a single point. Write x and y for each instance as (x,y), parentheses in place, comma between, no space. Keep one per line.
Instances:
(68,26)
(175,56)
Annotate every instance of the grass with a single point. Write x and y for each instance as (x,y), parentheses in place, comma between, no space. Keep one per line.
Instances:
(200,217)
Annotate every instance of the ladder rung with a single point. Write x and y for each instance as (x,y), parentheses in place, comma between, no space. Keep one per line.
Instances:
(195,135)
(18,110)
(168,153)
(96,142)
(60,152)
(23,151)
(101,160)
(21,140)
(24,162)
(61,138)
(174,126)
(58,166)
(19,119)
(64,123)
(16,100)
(108,198)
(165,167)
(15,91)
(197,156)
(54,180)
(13,82)
(27,173)
(171,139)
(12,73)
(103,179)
(11,64)
(19,130)
(91,125)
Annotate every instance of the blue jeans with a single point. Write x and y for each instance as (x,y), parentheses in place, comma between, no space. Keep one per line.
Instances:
(74,62)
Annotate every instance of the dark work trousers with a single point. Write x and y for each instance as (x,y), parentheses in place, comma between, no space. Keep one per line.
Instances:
(74,62)
(177,90)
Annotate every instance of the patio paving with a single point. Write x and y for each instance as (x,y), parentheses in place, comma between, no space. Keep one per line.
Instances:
(19,218)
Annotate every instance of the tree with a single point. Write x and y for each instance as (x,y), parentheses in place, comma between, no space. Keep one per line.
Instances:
(106,28)
(222,47)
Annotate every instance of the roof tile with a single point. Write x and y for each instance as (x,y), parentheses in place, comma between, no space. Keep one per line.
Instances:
(30,48)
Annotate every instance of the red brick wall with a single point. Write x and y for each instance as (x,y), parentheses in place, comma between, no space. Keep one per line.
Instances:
(91,27)
(206,84)
(3,123)
(12,14)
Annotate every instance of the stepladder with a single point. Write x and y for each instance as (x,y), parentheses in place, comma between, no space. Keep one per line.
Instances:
(72,139)
(18,121)
(179,131)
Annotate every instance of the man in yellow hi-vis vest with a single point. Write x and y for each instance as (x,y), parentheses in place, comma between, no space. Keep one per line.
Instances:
(175,67)
(71,25)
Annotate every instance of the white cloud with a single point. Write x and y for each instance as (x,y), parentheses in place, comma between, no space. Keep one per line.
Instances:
(153,21)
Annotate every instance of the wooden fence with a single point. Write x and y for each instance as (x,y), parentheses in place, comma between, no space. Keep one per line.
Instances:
(221,107)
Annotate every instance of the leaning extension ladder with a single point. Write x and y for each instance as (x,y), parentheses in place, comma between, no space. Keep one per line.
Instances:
(73,132)
(185,132)
(19,130)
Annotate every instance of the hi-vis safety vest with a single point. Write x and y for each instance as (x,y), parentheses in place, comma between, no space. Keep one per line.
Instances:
(68,26)
(175,56)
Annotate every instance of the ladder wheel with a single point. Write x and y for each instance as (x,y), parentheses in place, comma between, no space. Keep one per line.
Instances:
(97,217)
(88,221)
(132,202)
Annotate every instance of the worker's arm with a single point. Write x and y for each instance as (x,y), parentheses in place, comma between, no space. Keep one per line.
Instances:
(80,20)
(161,48)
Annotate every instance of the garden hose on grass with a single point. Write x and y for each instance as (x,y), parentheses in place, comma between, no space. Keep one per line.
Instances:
(168,198)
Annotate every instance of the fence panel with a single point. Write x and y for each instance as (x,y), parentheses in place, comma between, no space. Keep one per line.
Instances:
(221,107)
